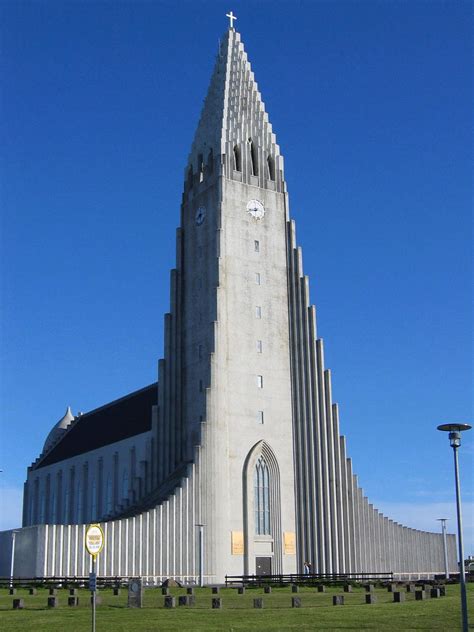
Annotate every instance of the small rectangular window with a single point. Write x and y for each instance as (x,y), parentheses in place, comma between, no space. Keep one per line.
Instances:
(258,312)
(200,386)
(260,381)
(259,346)
(258,278)
(257,245)
(201,167)
(260,417)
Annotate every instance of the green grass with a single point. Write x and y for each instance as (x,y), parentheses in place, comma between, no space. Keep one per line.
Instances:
(237,614)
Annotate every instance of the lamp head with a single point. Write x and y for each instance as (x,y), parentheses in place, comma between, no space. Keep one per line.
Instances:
(454,432)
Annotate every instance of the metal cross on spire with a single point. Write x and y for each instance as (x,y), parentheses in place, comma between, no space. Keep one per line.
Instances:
(231,17)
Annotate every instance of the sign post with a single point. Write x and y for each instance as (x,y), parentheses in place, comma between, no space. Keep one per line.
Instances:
(94,545)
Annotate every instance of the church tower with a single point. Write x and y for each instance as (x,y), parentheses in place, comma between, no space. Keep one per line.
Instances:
(240,437)
(228,365)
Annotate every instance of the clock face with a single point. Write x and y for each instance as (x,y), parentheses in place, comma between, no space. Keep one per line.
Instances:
(256,209)
(200,215)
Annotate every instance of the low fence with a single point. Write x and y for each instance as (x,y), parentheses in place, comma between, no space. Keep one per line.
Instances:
(103,581)
(310,579)
(57,582)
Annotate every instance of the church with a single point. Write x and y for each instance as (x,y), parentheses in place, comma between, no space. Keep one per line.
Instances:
(237,445)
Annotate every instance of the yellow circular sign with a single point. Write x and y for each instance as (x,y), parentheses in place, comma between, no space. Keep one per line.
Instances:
(94,539)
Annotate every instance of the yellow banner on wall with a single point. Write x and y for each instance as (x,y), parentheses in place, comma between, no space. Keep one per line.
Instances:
(289,543)
(237,542)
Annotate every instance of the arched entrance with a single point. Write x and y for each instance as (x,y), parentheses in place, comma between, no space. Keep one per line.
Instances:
(262,512)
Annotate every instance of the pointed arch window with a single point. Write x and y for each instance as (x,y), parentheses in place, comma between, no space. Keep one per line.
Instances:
(108,495)
(30,509)
(237,160)
(42,509)
(66,505)
(271,167)
(261,498)
(53,508)
(253,158)
(93,501)
(125,485)
(79,503)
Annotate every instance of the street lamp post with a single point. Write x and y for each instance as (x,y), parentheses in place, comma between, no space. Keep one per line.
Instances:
(443,529)
(12,563)
(455,441)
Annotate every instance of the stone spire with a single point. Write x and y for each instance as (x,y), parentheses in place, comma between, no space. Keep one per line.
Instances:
(233,112)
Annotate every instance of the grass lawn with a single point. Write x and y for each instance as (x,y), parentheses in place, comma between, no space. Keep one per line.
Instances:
(237,614)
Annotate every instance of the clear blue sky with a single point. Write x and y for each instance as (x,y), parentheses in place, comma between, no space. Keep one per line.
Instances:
(372,106)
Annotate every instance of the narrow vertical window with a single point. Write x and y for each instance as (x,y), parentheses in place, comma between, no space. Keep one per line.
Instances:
(258,312)
(271,167)
(262,498)
(210,161)
(260,417)
(200,352)
(237,163)
(200,386)
(253,158)
(258,278)
(256,245)
(260,381)
(259,346)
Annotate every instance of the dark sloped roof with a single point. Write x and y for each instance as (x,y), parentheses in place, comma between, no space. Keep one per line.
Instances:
(122,418)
